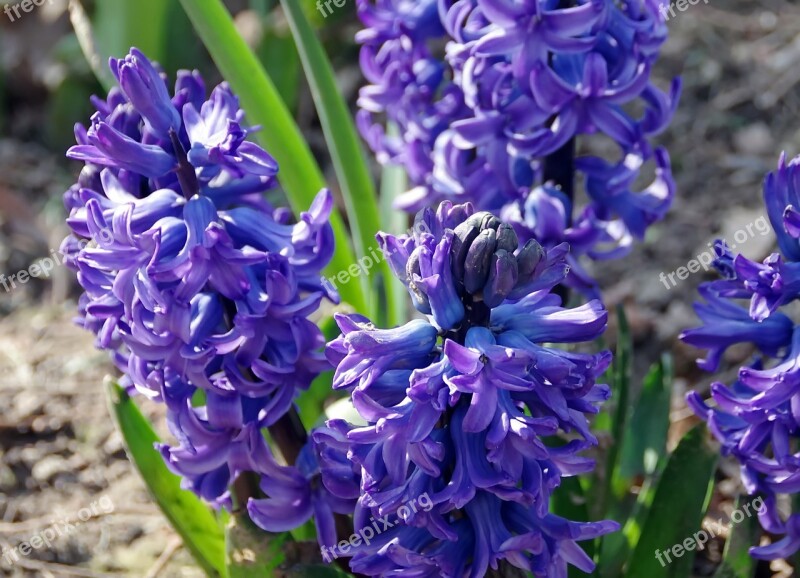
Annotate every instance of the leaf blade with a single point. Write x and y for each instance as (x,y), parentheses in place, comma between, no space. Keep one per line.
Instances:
(736,559)
(394,181)
(646,438)
(679,502)
(344,144)
(192,519)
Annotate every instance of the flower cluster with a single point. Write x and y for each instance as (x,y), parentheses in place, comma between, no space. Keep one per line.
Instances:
(200,290)
(757,419)
(486,99)
(466,405)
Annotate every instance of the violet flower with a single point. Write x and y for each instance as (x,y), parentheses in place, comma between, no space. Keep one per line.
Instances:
(461,407)
(757,418)
(488,98)
(198,288)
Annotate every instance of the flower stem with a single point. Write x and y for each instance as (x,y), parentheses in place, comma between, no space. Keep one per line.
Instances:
(559,168)
(289,434)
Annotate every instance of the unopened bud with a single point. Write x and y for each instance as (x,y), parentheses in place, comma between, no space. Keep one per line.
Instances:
(529,258)
(463,237)
(479,258)
(503,275)
(484,220)
(507,239)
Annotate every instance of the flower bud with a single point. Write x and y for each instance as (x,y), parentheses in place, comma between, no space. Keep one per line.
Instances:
(529,258)
(464,235)
(503,275)
(484,220)
(479,259)
(507,239)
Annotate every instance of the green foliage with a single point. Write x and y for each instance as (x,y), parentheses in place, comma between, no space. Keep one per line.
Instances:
(190,518)
(645,441)
(676,512)
(569,501)
(278,52)
(736,561)
(643,450)
(394,181)
(346,150)
(310,403)
(121,24)
(621,373)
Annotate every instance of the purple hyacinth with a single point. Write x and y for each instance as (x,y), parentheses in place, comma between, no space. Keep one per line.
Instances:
(488,97)
(757,418)
(458,406)
(201,290)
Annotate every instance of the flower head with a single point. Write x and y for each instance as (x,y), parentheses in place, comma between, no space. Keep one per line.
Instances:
(481,101)
(757,418)
(198,288)
(461,407)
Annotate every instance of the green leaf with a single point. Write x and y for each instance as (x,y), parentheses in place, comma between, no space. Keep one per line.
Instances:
(642,457)
(299,172)
(121,24)
(621,378)
(181,50)
(569,501)
(344,144)
(193,520)
(676,514)
(83,31)
(616,548)
(394,181)
(310,403)
(736,560)
(279,54)
(646,437)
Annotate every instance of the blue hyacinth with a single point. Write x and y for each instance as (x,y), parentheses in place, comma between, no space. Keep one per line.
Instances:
(461,407)
(486,99)
(198,288)
(757,418)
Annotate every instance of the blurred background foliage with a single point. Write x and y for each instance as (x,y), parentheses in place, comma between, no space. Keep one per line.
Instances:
(43,69)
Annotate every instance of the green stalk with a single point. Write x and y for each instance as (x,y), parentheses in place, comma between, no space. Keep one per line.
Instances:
(349,160)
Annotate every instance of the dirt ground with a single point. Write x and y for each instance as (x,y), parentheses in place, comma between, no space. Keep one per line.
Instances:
(740,62)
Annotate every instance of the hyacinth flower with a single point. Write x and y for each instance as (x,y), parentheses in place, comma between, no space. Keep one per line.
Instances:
(488,99)
(757,418)
(199,289)
(461,406)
